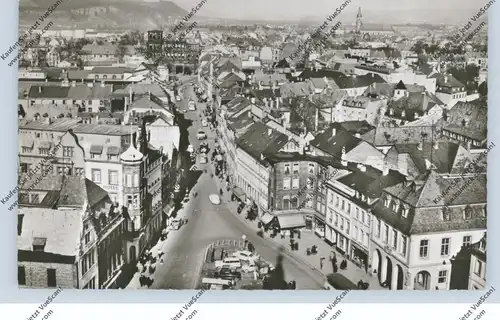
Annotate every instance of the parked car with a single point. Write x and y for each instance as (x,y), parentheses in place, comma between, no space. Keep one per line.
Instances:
(229,262)
(337,281)
(228,274)
(201,135)
(248,266)
(245,255)
(204,123)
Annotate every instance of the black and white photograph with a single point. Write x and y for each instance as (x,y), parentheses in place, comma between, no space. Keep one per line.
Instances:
(251,145)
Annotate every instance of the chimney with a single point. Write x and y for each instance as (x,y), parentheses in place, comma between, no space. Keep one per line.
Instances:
(334,132)
(420,146)
(269,131)
(436,145)
(358,135)
(252,99)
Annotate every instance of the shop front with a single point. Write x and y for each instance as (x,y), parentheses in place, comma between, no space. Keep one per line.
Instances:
(330,236)
(309,219)
(238,194)
(319,226)
(287,223)
(342,244)
(359,255)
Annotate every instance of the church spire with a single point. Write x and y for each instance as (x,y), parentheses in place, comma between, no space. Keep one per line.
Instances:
(359,23)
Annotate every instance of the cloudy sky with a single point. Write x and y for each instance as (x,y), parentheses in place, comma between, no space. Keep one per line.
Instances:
(420,10)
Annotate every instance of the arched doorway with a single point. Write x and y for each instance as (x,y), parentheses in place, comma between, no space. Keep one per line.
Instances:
(388,277)
(377,263)
(132,254)
(422,280)
(400,278)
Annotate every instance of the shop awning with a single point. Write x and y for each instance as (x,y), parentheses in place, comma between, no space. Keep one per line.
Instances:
(96,148)
(113,150)
(239,193)
(266,218)
(291,221)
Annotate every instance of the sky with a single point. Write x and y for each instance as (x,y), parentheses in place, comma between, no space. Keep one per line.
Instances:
(420,10)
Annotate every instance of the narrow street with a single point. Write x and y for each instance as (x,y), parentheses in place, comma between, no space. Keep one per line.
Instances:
(207,223)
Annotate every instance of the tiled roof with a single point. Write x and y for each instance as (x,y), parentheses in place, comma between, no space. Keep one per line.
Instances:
(333,144)
(443,80)
(425,215)
(236,105)
(60,228)
(295,89)
(385,136)
(383,89)
(84,92)
(469,119)
(348,82)
(48,92)
(73,192)
(240,122)
(95,193)
(371,182)
(63,125)
(257,141)
(111,70)
(442,158)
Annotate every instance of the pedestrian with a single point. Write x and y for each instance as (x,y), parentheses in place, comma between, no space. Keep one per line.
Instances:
(335,268)
(321,260)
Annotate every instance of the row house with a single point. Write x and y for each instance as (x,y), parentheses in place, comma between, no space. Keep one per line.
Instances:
(253,170)
(420,224)
(102,145)
(350,194)
(110,53)
(298,189)
(111,74)
(89,97)
(49,257)
(477,268)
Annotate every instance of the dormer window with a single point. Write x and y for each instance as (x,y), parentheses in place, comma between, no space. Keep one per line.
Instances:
(395,206)
(468,213)
(446,214)
(404,211)
(387,201)
(39,244)
(363,198)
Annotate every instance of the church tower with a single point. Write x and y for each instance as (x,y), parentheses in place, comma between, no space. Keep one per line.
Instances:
(359,23)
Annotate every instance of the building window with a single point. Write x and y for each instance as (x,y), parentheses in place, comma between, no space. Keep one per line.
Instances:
(294,203)
(295,168)
(95,155)
(90,284)
(286,203)
(363,216)
(355,234)
(387,202)
(467,241)
(404,212)
(286,183)
(311,168)
(136,202)
(349,208)
(128,180)
(445,246)
(424,248)
(136,180)
(295,183)
(287,168)
(379,227)
(113,177)
(343,205)
(386,234)
(478,267)
(395,239)
(336,220)
(96,175)
(68,151)
(446,214)
(21,275)
(51,278)
(309,202)
(467,213)
(403,246)
(347,227)
(443,275)
(310,183)
(129,201)
(88,262)
(337,201)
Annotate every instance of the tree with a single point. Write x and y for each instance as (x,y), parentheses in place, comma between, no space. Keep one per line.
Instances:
(120,52)
(483,89)
(418,47)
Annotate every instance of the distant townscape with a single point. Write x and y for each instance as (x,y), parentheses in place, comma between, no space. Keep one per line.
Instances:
(260,156)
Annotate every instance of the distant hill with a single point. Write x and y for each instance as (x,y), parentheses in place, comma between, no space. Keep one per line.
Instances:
(103,14)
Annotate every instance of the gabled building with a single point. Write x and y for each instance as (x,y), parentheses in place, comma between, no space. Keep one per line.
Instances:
(449,90)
